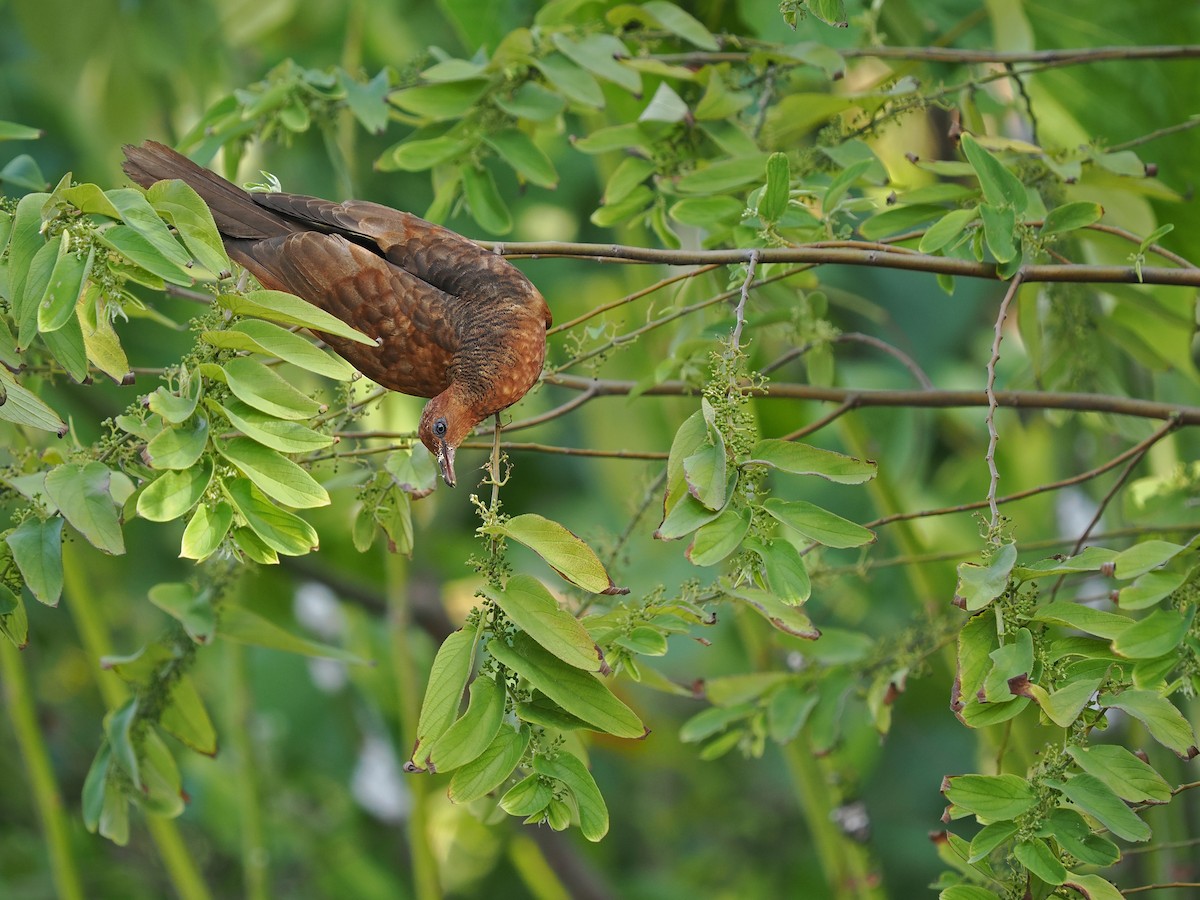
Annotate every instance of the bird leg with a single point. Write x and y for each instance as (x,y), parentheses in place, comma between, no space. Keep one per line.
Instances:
(494,468)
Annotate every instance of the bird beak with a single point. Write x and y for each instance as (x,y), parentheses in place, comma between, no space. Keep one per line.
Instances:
(445,458)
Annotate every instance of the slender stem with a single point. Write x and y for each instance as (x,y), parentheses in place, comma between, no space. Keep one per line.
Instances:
(915,399)
(80,599)
(22,710)
(255,856)
(426,884)
(858,255)
(993,434)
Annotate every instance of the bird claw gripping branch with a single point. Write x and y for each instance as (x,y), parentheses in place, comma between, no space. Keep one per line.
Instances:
(452,321)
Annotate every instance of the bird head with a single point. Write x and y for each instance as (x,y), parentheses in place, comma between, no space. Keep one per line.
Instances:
(445,423)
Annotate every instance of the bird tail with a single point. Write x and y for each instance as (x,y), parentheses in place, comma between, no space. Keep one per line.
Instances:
(233,209)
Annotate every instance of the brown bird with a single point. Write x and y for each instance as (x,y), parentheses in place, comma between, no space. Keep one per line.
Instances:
(452,321)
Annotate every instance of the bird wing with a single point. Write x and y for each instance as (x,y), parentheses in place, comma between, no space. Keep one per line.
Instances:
(413,321)
(436,255)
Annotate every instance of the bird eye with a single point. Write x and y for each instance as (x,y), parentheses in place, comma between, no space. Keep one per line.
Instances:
(439,427)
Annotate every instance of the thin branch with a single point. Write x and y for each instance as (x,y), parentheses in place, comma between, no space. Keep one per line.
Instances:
(868,257)
(813,427)
(1161,886)
(1153,136)
(917,399)
(1136,458)
(518,447)
(993,434)
(740,313)
(1060,57)
(856,337)
(1133,453)
(629,298)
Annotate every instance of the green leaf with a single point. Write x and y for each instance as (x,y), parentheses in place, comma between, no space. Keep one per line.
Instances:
(36,546)
(598,54)
(784,568)
(265,429)
(23,407)
(1141,558)
(1093,559)
(713,720)
(271,340)
(177,448)
(118,728)
(680,22)
(57,306)
(260,387)
(440,101)
(421,154)
(288,309)
(279,529)
(530,101)
(66,344)
(206,530)
(25,306)
(573,82)
(818,524)
(1036,856)
(1084,618)
(245,627)
(704,472)
(162,793)
(1130,778)
(1156,635)
(632,171)
(540,710)
(570,770)
(173,493)
(1093,887)
(998,230)
(1066,703)
(443,692)
(630,137)
(81,492)
(94,787)
(11,131)
(562,551)
(979,585)
(720,177)
(274,474)
(186,719)
(992,797)
(23,172)
(776,193)
(804,459)
(1070,217)
(534,610)
(831,12)
(527,797)
(134,246)
(788,710)
(1151,587)
(946,230)
(705,212)
(177,408)
(1009,661)
(785,617)
(100,341)
(990,837)
(1096,799)
(14,618)
(644,641)
(574,690)
(1164,721)
(368,102)
(193,610)
(483,197)
(491,768)
(720,537)
(474,731)
(664,106)
(25,242)
(180,205)
(1001,188)
(517,149)
(1074,834)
